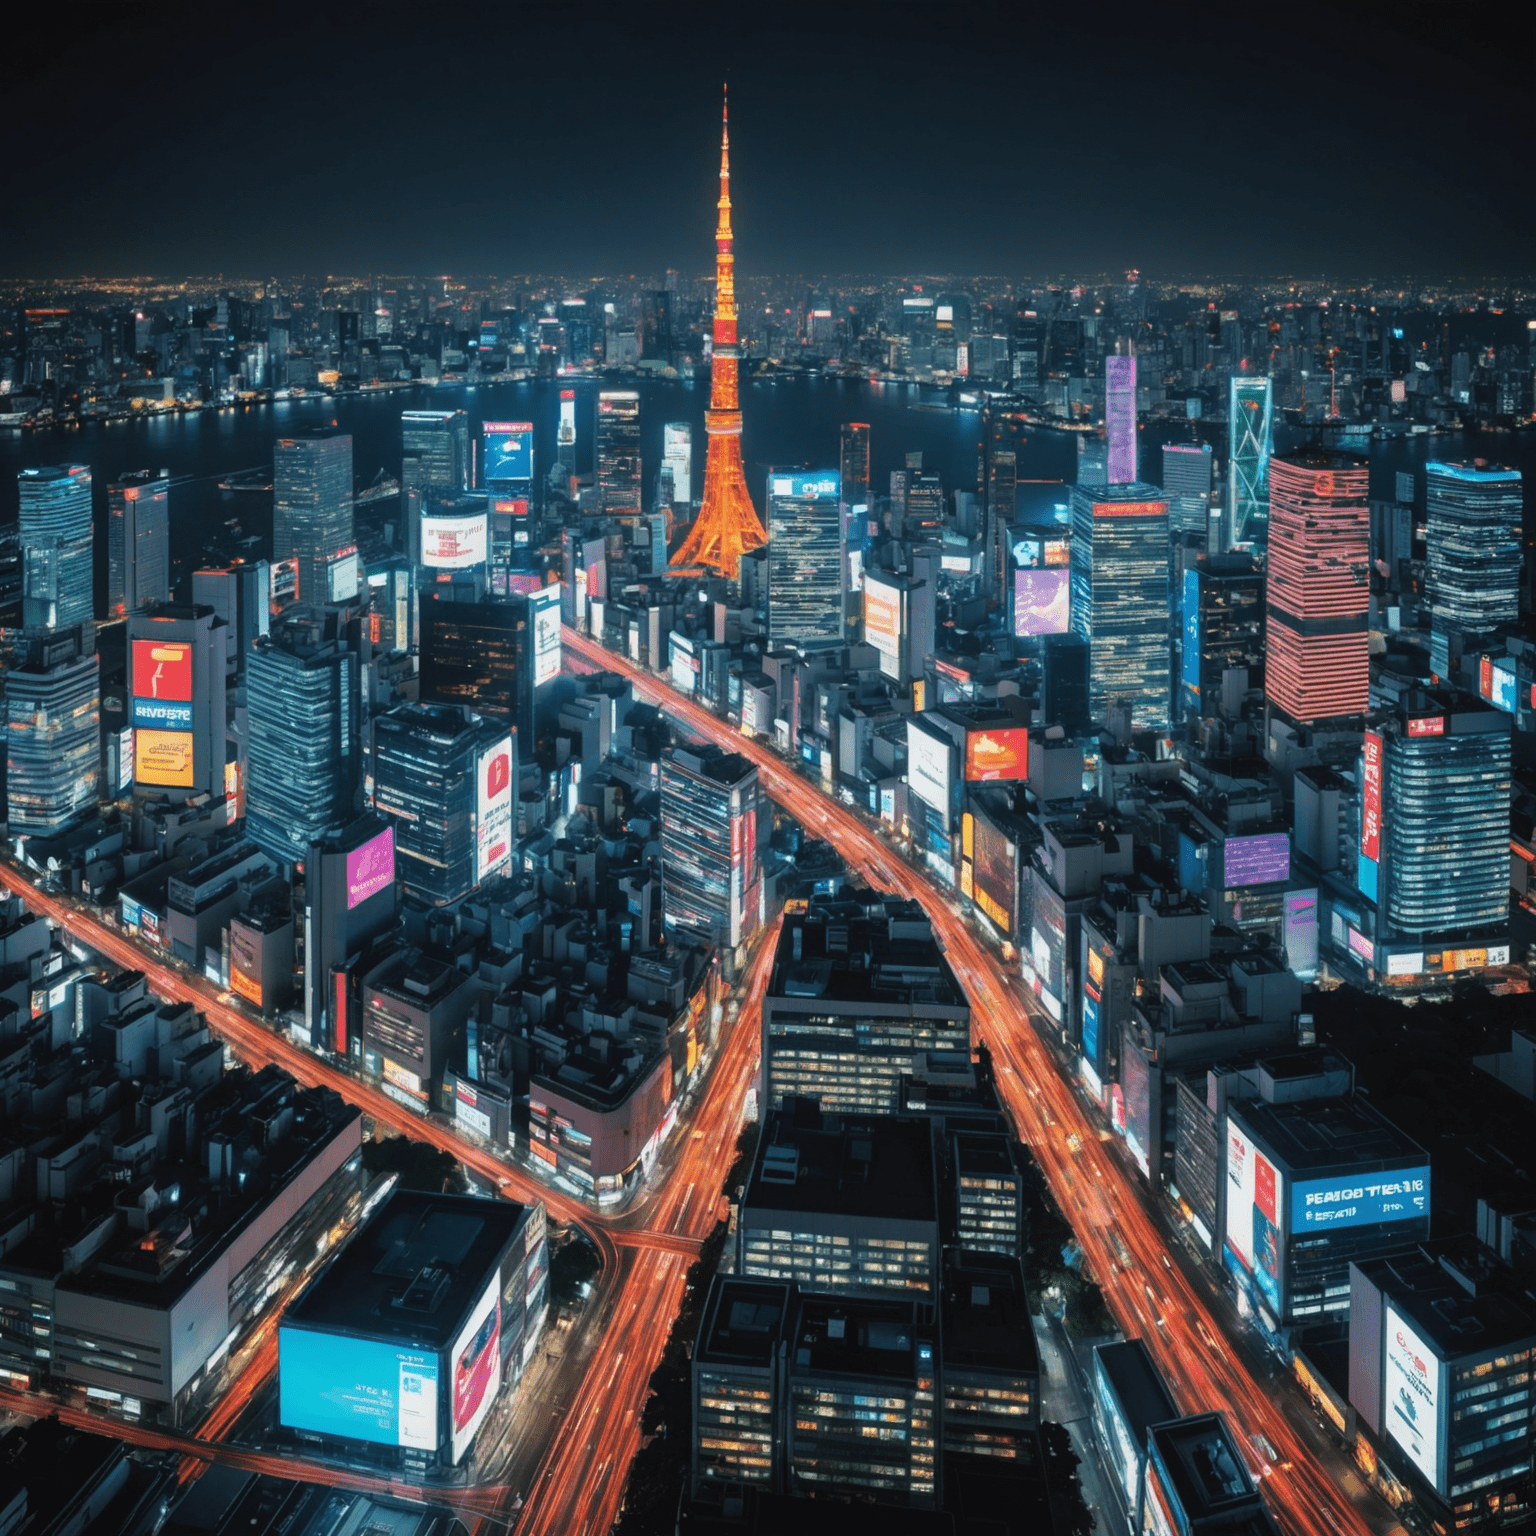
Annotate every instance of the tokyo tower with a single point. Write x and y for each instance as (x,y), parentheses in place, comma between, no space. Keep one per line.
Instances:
(727,525)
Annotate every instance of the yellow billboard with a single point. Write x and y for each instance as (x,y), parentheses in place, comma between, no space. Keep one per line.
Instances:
(163,757)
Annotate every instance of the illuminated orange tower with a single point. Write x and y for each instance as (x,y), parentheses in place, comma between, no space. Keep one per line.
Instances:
(727,525)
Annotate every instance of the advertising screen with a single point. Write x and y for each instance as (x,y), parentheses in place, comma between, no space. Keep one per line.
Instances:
(163,757)
(162,684)
(1412,1395)
(361,1389)
(342,577)
(453,543)
(1503,693)
(1253,1205)
(1258,860)
(1090,1029)
(928,768)
(1189,660)
(882,615)
(371,868)
(493,809)
(818,487)
(476,1357)
(567,430)
(1361,1200)
(995,878)
(545,608)
(1042,602)
(1120,418)
(508,451)
(994,755)
(1427,725)
(1370,782)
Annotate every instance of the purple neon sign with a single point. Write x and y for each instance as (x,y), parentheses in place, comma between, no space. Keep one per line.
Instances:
(1120,418)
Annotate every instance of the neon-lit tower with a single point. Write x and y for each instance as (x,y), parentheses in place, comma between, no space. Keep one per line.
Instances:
(1249,405)
(727,525)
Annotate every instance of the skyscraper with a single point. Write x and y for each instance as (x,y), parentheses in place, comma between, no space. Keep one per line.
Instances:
(138,542)
(304,744)
(805,579)
(727,525)
(434,452)
(55,529)
(1222,650)
(1187,481)
(1473,544)
(1120,419)
(853,481)
(312,514)
(618,451)
(565,433)
(1120,597)
(853,463)
(53,732)
(1249,404)
(1318,646)
(711,879)
(677,455)
(177,671)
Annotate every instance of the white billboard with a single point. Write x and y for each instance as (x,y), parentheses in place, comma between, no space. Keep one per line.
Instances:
(341,577)
(882,614)
(493,809)
(928,768)
(476,1366)
(453,543)
(1255,1200)
(1412,1385)
(544,606)
(677,455)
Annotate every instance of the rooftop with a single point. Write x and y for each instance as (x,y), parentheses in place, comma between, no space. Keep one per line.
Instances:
(1319,1136)
(743,1322)
(986,1315)
(1205,1466)
(857,1338)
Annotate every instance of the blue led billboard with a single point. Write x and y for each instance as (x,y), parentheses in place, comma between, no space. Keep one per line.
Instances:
(357,1389)
(1359,1200)
(1090,1030)
(1189,668)
(508,451)
(824,485)
(1258,860)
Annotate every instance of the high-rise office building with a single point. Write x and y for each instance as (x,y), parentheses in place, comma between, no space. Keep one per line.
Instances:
(924,510)
(565,433)
(138,542)
(853,463)
(304,737)
(618,451)
(1120,419)
(1002,483)
(1120,598)
(178,663)
(711,877)
(853,483)
(312,515)
(1318,645)
(1222,645)
(1250,402)
(1473,544)
(55,531)
(1187,483)
(241,595)
(805,577)
(425,759)
(677,455)
(53,732)
(434,452)
(1435,818)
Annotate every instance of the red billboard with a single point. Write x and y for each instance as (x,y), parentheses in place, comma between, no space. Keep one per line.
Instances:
(994,755)
(162,669)
(1429,725)
(1370,810)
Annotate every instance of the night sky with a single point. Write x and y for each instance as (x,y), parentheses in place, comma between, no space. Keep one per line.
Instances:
(1249,137)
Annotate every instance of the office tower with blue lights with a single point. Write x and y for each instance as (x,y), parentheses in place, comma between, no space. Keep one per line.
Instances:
(618,451)
(434,452)
(1250,404)
(55,531)
(711,878)
(1472,541)
(1120,598)
(1221,650)
(304,737)
(1187,484)
(241,595)
(138,542)
(1317,664)
(1434,838)
(805,558)
(52,715)
(312,521)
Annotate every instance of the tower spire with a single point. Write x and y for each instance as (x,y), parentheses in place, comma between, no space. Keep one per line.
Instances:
(727,525)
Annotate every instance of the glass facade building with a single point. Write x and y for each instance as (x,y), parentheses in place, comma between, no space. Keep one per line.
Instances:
(138,543)
(1222,629)
(56,542)
(1187,483)
(1250,404)
(434,452)
(1318,651)
(710,877)
(480,655)
(312,509)
(1472,541)
(805,553)
(1444,816)
(424,760)
(303,751)
(52,733)
(618,451)
(1120,598)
